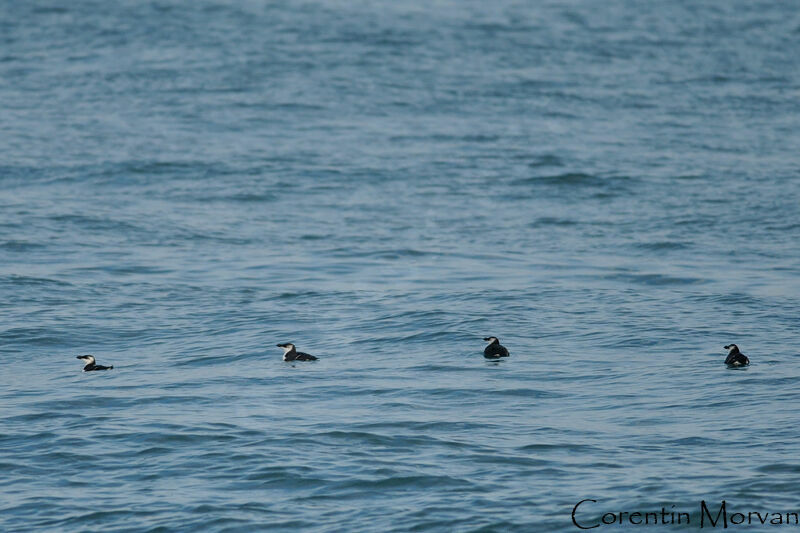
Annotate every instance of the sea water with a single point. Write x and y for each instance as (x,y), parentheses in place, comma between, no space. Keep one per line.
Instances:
(611,188)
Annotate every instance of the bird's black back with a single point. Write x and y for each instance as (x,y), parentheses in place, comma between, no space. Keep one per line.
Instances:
(92,366)
(495,350)
(294,355)
(737,358)
(302,356)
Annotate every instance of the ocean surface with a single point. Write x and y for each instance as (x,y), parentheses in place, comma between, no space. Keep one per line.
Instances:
(611,188)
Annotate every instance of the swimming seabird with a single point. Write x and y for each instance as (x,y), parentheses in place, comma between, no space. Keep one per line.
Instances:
(735,357)
(290,354)
(495,350)
(90,364)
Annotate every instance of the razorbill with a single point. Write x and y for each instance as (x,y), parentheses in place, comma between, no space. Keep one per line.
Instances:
(90,364)
(735,357)
(290,354)
(495,350)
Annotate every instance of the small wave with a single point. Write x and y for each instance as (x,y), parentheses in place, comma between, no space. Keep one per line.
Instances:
(654,279)
(251,197)
(552,221)
(96,223)
(50,10)
(392,254)
(780,468)
(29,280)
(408,425)
(694,441)
(662,245)
(297,294)
(511,460)
(396,482)
(21,246)
(569,178)
(546,160)
(383,38)
(35,336)
(561,447)
(37,417)
(405,441)
(576,179)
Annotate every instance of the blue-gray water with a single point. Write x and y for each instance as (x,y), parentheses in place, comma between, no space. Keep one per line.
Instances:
(609,187)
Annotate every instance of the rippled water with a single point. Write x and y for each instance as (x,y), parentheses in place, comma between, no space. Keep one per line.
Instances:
(610,188)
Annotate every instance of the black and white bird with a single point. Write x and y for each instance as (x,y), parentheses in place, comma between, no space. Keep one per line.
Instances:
(495,350)
(90,364)
(291,354)
(735,357)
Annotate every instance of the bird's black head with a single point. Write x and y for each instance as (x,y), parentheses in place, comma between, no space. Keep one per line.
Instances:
(732,347)
(286,345)
(87,358)
(491,339)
